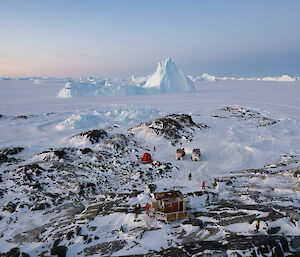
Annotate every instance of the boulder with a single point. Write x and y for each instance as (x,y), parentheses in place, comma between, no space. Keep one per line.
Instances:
(94,135)
(12,151)
(59,251)
(14,252)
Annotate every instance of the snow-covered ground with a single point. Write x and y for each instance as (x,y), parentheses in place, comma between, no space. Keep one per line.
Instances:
(250,148)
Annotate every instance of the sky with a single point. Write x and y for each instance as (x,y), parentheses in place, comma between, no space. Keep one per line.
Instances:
(120,38)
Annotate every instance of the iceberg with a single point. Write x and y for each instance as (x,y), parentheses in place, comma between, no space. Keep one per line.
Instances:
(208,77)
(284,78)
(166,79)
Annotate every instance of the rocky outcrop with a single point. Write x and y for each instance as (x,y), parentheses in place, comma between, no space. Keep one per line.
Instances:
(94,136)
(172,127)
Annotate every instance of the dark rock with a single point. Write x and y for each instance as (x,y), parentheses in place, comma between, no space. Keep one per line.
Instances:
(86,187)
(262,244)
(94,135)
(197,222)
(176,252)
(152,187)
(10,207)
(246,114)
(118,141)
(199,193)
(86,150)
(24,117)
(78,230)
(278,251)
(56,242)
(297,172)
(253,253)
(134,193)
(3,158)
(12,151)
(14,252)
(70,234)
(228,182)
(37,185)
(285,245)
(60,153)
(25,255)
(194,222)
(172,127)
(159,171)
(41,206)
(59,251)
(37,169)
(106,248)
(273,230)
(295,242)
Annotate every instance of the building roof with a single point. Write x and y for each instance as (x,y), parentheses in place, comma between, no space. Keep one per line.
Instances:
(167,195)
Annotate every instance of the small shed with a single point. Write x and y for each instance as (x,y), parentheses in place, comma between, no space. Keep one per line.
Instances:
(167,206)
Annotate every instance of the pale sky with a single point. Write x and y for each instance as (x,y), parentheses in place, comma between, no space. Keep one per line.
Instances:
(120,38)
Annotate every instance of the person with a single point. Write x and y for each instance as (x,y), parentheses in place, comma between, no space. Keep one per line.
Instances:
(190,176)
(147,206)
(203,184)
(154,148)
(138,208)
(257,226)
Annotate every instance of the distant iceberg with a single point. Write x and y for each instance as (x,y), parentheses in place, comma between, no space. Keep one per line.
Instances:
(98,88)
(166,79)
(282,78)
(207,77)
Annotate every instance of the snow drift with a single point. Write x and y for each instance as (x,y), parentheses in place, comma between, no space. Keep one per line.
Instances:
(120,115)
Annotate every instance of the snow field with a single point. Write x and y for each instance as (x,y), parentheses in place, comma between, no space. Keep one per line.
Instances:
(232,143)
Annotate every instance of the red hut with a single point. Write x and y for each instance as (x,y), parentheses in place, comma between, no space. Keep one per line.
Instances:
(146,158)
(167,206)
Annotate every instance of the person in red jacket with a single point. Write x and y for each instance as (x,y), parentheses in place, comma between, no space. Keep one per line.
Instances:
(147,206)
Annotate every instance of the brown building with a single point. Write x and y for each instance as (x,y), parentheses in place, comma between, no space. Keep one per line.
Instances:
(167,206)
